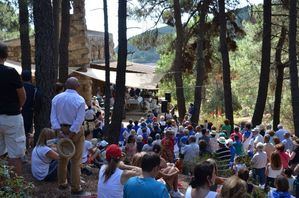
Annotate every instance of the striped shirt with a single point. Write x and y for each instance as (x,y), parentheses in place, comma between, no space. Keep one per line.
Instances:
(223,156)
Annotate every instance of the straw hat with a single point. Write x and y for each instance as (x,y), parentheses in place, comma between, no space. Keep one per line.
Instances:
(66,148)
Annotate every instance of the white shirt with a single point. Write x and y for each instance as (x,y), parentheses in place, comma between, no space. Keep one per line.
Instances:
(112,188)
(157,142)
(68,108)
(259,160)
(211,194)
(140,132)
(198,135)
(90,114)
(258,138)
(274,173)
(87,146)
(147,148)
(40,163)
(190,151)
(280,134)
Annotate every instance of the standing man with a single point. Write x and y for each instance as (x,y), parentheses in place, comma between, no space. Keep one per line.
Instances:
(12,98)
(27,111)
(67,116)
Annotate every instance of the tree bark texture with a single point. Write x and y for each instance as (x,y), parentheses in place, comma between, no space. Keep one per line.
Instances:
(228,102)
(118,107)
(64,40)
(107,68)
(265,66)
(45,72)
(24,35)
(56,13)
(200,67)
(178,60)
(279,78)
(293,64)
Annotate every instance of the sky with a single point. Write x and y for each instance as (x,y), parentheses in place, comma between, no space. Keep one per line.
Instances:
(95,17)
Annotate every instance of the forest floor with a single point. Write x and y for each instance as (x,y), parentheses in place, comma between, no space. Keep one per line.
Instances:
(89,183)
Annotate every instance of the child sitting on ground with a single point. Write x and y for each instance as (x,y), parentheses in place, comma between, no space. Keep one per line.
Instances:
(87,150)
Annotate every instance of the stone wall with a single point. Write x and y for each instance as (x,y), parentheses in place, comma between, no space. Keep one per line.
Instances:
(84,46)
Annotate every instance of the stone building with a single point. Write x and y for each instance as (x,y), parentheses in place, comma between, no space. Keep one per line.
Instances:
(85,46)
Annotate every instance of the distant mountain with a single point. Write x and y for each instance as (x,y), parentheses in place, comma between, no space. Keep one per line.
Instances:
(149,56)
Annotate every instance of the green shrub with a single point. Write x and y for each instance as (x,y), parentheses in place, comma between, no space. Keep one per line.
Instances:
(12,185)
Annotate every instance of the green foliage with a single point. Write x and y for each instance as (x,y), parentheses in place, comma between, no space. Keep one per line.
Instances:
(12,185)
(9,25)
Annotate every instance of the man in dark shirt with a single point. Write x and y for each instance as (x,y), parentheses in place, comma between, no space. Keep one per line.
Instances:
(12,98)
(27,110)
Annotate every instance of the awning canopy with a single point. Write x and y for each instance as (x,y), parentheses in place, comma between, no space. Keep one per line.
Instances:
(17,66)
(135,80)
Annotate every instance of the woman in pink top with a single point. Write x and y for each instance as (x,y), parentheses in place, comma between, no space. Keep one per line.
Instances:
(284,156)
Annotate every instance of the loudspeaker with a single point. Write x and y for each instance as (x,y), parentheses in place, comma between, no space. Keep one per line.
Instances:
(164,106)
(168,97)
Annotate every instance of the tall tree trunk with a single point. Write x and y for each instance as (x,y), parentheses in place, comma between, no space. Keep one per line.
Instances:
(178,60)
(64,40)
(24,35)
(107,68)
(56,13)
(118,108)
(279,78)
(265,67)
(45,72)
(293,64)
(200,67)
(228,101)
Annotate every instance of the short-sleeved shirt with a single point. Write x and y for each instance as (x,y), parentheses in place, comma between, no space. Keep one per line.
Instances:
(223,157)
(87,146)
(145,188)
(40,163)
(10,81)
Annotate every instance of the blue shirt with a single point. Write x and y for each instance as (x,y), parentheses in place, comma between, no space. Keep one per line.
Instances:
(137,187)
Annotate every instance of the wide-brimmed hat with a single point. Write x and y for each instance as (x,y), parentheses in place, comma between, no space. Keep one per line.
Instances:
(296,141)
(113,151)
(66,148)
(260,146)
(256,129)
(213,132)
(221,140)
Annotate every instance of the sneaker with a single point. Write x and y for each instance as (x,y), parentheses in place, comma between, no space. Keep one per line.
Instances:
(176,194)
(80,193)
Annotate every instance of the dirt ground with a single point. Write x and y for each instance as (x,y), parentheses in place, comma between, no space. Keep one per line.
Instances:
(50,189)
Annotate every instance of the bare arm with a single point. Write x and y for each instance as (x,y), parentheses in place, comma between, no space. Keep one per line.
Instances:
(267,170)
(127,174)
(292,155)
(22,96)
(53,155)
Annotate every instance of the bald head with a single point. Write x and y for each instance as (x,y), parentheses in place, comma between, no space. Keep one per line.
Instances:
(72,83)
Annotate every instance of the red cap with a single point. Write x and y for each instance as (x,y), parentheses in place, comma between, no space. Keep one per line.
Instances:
(113,151)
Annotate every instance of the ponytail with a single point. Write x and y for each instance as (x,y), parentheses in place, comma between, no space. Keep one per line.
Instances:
(110,169)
